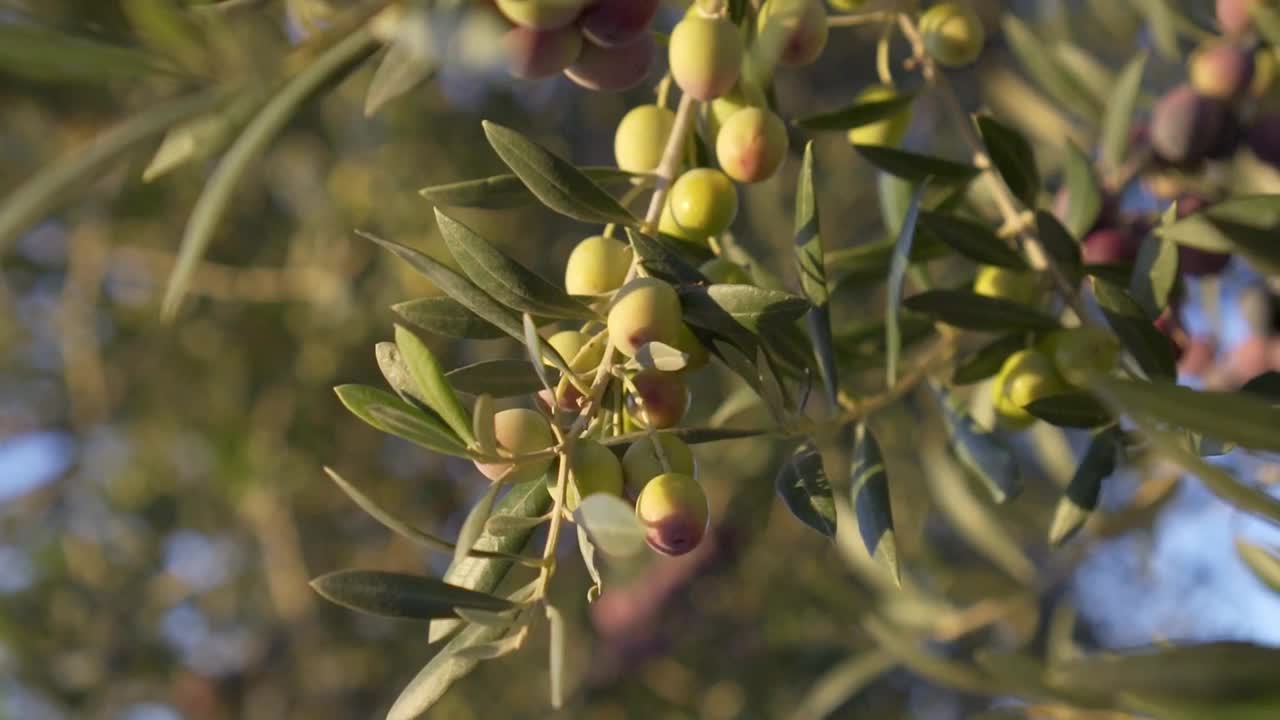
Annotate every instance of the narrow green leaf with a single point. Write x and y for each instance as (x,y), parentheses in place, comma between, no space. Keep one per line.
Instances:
(1134,327)
(441,672)
(1045,71)
(399,595)
(502,192)
(1247,225)
(555,662)
(987,360)
(1162,27)
(446,316)
(41,193)
(611,524)
(396,373)
(803,485)
(972,240)
(499,378)
(870,261)
(528,499)
(405,66)
(1013,158)
(1062,248)
(690,435)
(870,494)
(1081,496)
(1263,562)
(474,524)
(838,685)
(856,114)
(504,524)
(588,552)
(1117,116)
(504,279)
(1239,417)
(1216,671)
(753,309)
(495,649)
(432,384)
(216,197)
(914,166)
(1155,271)
(482,424)
(556,182)
(969,310)
(1084,193)
(811,266)
(897,274)
(1070,409)
(397,525)
(534,347)
(465,292)
(661,261)
(982,453)
(771,390)
(390,414)
(47,55)
(201,137)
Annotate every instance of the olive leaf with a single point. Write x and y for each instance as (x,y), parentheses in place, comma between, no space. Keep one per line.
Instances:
(399,595)
(870,493)
(803,486)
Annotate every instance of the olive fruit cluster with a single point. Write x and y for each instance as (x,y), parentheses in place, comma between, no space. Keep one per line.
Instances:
(661,478)
(1063,360)
(598,44)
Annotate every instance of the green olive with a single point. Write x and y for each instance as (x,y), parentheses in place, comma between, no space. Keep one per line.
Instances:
(519,432)
(596,266)
(645,310)
(705,55)
(704,202)
(674,511)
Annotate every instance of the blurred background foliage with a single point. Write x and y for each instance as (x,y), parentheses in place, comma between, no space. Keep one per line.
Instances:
(162,504)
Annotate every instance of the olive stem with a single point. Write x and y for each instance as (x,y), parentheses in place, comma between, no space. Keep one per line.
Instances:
(865,18)
(1035,251)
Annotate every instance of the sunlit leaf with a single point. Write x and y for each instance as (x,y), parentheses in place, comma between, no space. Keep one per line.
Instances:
(611,524)
(557,183)
(856,114)
(215,199)
(390,414)
(499,378)
(446,316)
(433,387)
(971,239)
(1246,224)
(504,279)
(474,524)
(811,266)
(501,192)
(1239,417)
(556,649)
(661,261)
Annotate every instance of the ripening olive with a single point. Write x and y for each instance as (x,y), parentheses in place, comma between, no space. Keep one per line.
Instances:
(1117,245)
(674,511)
(597,265)
(593,468)
(660,398)
(616,22)
(744,94)
(1006,284)
(722,271)
(1185,125)
(533,54)
(690,345)
(887,131)
(1234,15)
(1221,70)
(667,225)
(953,33)
(612,69)
(1079,352)
(541,14)
(751,145)
(645,310)
(1027,376)
(793,31)
(640,463)
(705,55)
(704,202)
(641,137)
(519,432)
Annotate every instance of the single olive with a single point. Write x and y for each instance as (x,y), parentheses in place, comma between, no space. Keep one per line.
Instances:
(953,33)
(593,468)
(751,145)
(705,55)
(645,310)
(597,265)
(704,202)
(640,463)
(641,137)
(674,511)
(660,399)
(519,431)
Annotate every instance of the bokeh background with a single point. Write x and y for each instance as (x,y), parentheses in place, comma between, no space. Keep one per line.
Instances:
(162,504)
